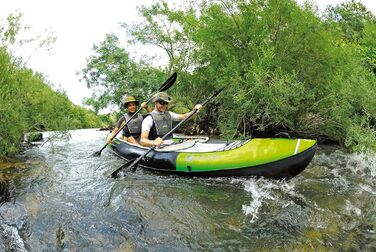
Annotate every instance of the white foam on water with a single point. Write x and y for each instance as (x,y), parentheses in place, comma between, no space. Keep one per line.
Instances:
(260,190)
(368,189)
(12,238)
(350,167)
(288,188)
(340,178)
(350,208)
(363,163)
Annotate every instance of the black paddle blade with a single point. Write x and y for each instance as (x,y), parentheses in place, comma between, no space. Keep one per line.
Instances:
(125,167)
(96,154)
(212,96)
(168,83)
(220,90)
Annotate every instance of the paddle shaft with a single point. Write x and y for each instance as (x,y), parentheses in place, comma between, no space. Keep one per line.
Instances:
(194,111)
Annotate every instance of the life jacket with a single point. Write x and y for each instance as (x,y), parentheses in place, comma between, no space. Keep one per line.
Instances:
(133,127)
(162,124)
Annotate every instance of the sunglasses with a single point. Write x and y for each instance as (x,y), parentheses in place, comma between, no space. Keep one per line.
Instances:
(162,102)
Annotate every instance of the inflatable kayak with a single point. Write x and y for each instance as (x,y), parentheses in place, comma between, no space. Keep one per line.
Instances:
(267,157)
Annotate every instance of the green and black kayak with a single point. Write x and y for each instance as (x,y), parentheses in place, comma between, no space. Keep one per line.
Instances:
(262,157)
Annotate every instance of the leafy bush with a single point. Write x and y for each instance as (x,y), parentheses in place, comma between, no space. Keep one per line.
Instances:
(284,66)
(27,103)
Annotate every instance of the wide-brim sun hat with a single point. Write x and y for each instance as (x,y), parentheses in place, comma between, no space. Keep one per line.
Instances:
(129,99)
(162,96)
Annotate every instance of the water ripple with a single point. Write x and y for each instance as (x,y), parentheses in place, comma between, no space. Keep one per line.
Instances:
(71,204)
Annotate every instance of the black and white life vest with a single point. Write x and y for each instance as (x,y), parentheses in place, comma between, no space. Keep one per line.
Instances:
(162,124)
(133,127)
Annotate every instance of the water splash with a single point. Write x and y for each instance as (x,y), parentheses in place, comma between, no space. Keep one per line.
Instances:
(363,164)
(260,190)
(350,209)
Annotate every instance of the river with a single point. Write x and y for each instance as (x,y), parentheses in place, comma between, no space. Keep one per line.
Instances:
(62,200)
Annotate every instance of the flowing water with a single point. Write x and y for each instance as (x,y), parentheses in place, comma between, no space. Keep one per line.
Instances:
(62,200)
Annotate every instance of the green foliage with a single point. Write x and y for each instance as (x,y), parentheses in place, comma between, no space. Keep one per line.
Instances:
(11,28)
(168,29)
(369,46)
(12,35)
(357,25)
(284,67)
(27,103)
(351,17)
(111,73)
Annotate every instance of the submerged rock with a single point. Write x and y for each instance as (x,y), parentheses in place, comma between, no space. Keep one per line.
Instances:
(4,191)
(105,128)
(33,137)
(13,214)
(12,219)
(10,240)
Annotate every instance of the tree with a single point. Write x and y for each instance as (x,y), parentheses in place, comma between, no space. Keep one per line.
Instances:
(27,102)
(113,74)
(351,17)
(168,29)
(284,68)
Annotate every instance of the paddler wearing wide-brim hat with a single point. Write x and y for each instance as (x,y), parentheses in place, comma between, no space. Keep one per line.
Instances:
(159,121)
(132,131)
(130,99)
(161,96)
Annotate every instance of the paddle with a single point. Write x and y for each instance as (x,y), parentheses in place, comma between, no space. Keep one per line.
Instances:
(132,164)
(168,83)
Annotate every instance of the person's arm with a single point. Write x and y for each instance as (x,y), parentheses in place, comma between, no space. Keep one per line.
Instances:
(147,123)
(119,124)
(132,140)
(109,141)
(183,116)
(146,107)
(146,142)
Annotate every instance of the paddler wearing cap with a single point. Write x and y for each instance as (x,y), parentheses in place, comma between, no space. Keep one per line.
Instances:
(131,131)
(159,122)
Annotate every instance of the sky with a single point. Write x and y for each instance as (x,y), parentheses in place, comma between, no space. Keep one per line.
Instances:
(78,25)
